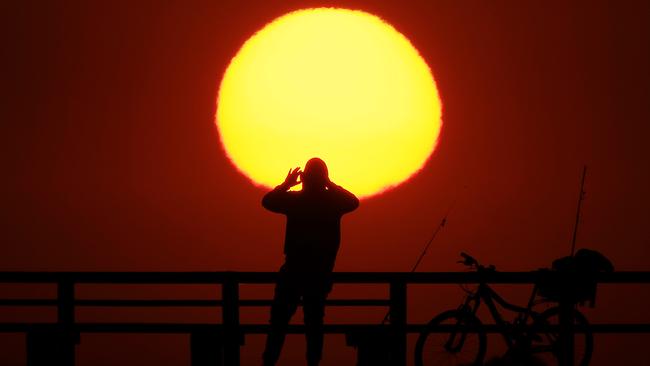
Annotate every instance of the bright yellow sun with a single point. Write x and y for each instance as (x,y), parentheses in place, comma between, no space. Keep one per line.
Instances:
(338,84)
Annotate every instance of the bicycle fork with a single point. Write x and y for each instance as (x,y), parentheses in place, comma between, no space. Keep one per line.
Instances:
(467,312)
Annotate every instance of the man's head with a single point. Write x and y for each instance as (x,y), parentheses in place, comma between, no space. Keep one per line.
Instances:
(315,175)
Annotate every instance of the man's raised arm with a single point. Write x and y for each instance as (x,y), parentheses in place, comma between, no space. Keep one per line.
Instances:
(279,198)
(347,200)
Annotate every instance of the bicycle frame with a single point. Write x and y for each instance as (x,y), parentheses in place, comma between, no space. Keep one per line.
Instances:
(525,335)
(486,294)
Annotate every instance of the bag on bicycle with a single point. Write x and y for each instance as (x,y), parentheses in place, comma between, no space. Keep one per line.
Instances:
(577,282)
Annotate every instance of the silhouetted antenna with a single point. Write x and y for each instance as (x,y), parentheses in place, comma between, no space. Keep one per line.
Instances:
(580,198)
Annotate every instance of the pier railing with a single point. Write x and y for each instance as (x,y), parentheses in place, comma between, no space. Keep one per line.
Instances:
(219,344)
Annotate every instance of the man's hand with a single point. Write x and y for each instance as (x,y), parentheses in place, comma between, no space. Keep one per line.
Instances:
(292,178)
(329,184)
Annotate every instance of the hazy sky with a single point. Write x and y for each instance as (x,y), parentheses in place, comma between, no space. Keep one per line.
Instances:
(112,160)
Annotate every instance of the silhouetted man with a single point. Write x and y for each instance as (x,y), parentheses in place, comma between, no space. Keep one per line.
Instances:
(311,242)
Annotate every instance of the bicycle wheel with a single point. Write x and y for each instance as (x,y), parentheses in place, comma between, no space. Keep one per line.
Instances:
(547,347)
(453,348)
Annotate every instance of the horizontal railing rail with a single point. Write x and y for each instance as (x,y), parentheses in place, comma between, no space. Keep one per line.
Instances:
(219,343)
(170,278)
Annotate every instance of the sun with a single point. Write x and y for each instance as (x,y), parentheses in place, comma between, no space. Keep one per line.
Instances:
(338,84)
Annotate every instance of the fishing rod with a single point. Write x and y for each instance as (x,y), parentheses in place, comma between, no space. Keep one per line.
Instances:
(440,226)
(435,233)
(581,196)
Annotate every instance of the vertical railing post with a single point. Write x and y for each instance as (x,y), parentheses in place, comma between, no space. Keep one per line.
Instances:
(66,319)
(55,345)
(232,336)
(398,321)
(65,307)
(206,348)
(566,337)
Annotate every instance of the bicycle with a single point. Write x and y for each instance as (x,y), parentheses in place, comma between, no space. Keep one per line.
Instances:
(462,347)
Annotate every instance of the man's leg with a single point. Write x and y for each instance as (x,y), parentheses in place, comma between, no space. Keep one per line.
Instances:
(314,311)
(285,303)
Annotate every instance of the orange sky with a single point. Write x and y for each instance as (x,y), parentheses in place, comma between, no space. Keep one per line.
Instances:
(112,162)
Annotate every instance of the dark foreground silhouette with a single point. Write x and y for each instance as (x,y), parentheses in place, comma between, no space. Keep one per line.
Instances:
(312,239)
(522,361)
(54,343)
(526,340)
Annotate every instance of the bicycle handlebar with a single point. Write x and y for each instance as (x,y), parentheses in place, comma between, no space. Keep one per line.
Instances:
(468,260)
